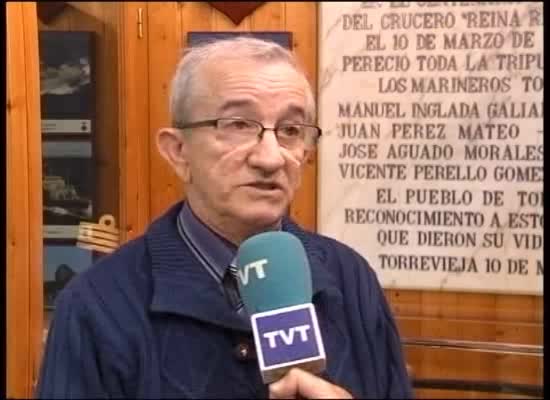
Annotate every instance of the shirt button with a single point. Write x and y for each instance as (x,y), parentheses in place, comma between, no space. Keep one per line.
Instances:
(242,351)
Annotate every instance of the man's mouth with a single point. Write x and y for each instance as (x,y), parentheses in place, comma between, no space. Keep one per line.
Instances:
(265,185)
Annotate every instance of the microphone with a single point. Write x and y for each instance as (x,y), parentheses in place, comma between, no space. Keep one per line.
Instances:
(274,280)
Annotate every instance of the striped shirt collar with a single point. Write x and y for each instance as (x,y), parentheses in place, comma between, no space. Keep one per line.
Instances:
(214,252)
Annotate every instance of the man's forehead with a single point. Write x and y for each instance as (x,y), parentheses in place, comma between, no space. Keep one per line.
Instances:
(217,77)
(215,70)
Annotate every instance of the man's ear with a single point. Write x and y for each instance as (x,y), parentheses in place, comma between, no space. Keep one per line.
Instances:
(173,146)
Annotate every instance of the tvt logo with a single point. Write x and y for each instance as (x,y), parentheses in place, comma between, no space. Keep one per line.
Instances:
(287,336)
(257,266)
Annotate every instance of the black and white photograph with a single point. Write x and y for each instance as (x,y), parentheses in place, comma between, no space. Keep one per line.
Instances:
(61,264)
(67,183)
(66,82)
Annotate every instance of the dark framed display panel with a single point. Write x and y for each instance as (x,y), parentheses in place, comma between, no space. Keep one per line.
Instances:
(67,185)
(282,38)
(62,261)
(67,83)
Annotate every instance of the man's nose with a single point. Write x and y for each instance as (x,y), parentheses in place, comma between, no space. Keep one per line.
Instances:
(266,154)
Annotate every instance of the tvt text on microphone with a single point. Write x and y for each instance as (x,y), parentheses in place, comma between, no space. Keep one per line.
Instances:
(275,285)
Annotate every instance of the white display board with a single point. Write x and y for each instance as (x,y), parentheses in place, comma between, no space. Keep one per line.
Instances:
(431,161)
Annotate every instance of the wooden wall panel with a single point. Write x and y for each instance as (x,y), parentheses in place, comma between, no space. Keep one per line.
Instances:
(301,19)
(481,306)
(469,329)
(133,104)
(470,316)
(166,41)
(24,200)
(268,17)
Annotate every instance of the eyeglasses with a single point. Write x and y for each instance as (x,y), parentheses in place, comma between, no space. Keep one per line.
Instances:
(240,130)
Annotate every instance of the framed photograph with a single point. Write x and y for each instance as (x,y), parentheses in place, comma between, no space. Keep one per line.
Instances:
(66,82)
(282,38)
(67,187)
(61,263)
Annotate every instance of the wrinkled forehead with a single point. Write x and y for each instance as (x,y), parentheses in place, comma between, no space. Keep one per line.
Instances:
(215,76)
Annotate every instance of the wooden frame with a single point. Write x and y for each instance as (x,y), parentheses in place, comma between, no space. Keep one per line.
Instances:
(24,202)
(281,37)
(133,77)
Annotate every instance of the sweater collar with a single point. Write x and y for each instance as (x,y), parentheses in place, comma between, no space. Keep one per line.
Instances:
(182,286)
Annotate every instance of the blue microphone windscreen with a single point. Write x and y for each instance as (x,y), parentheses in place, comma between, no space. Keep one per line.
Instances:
(273,272)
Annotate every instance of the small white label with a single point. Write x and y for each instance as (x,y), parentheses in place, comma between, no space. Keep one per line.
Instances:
(60,231)
(77,126)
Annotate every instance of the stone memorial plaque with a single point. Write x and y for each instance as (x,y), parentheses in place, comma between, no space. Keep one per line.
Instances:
(431,162)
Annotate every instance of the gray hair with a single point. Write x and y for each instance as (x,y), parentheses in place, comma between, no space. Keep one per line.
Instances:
(183,88)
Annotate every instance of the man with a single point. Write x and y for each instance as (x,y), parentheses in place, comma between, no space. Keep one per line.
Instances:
(159,317)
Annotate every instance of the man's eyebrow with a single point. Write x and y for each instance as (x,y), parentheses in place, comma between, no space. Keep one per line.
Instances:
(236,103)
(294,110)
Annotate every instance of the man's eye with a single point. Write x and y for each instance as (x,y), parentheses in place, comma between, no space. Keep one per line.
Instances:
(239,125)
(290,130)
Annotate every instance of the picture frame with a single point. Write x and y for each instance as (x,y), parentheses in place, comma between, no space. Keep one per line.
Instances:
(62,261)
(282,38)
(67,82)
(67,187)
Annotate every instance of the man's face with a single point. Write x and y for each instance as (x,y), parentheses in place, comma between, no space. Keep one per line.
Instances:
(251,183)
